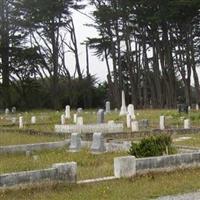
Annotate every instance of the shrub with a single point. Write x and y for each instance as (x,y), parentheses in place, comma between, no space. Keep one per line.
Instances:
(152,146)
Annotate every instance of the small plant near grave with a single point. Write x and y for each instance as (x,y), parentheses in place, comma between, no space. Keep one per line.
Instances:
(152,146)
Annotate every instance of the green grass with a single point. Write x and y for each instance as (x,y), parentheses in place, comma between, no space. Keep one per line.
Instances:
(193,142)
(15,138)
(89,166)
(140,188)
(46,119)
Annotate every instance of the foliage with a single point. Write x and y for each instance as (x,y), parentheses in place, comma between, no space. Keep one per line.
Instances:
(31,93)
(152,146)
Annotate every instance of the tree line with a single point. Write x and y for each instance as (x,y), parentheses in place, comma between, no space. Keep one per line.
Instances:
(153,46)
(150,47)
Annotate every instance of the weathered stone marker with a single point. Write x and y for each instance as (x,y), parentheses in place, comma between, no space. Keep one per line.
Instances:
(197,107)
(21,123)
(162,122)
(62,119)
(33,120)
(75,118)
(124,166)
(100,116)
(98,145)
(128,121)
(7,111)
(14,110)
(14,120)
(187,124)
(79,121)
(79,110)
(75,143)
(67,112)
(135,126)
(131,111)
(108,107)
(123,110)
(144,123)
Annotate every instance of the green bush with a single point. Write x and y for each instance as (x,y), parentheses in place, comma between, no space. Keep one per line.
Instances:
(152,146)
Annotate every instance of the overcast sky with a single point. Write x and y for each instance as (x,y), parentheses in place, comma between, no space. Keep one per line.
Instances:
(97,67)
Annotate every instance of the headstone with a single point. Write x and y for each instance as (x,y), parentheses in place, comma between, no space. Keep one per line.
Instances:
(123,110)
(144,123)
(62,119)
(75,143)
(100,116)
(33,120)
(124,167)
(131,111)
(98,145)
(162,122)
(79,121)
(7,111)
(134,126)
(14,109)
(187,124)
(108,107)
(197,107)
(128,121)
(67,112)
(79,110)
(21,123)
(75,118)
(14,120)
(116,110)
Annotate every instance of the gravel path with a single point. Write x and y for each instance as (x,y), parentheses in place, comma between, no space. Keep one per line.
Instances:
(189,196)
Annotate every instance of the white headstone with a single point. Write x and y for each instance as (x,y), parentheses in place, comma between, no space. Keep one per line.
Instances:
(98,145)
(128,121)
(7,111)
(79,121)
(135,126)
(79,110)
(100,116)
(131,111)
(123,110)
(187,124)
(33,120)
(162,122)
(108,107)
(14,109)
(75,143)
(197,107)
(124,167)
(67,112)
(62,119)
(21,123)
(75,118)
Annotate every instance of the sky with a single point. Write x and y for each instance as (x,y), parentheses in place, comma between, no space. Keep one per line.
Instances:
(97,67)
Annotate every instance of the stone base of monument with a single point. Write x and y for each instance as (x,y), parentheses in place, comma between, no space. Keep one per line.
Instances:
(90,128)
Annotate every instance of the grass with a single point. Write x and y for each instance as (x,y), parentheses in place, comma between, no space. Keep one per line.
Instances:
(193,142)
(93,166)
(47,119)
(139,188)
(89,166)
(15,138)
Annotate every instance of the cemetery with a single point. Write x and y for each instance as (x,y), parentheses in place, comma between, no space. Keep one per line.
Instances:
(99,100)
(35,149)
